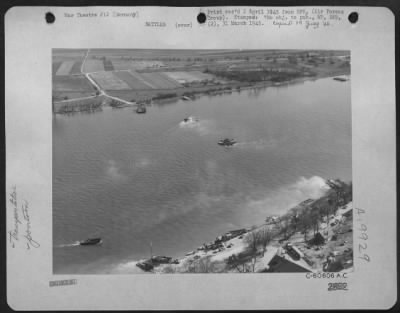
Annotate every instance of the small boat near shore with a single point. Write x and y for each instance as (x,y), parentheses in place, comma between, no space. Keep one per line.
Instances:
(187,98)
(91,241)
(341,78)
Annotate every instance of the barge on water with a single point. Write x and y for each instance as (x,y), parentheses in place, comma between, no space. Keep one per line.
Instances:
(91,242)
(141,109)
(227,142)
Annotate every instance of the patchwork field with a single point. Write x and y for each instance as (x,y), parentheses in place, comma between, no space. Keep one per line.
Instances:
(108,66)
(72,83)
(136,74)
(134,81)
(93,66)
(76,68)
(109,81)
(159,81)
(71,87)
(55,66)
(189,77)
(65,68)
(120,64)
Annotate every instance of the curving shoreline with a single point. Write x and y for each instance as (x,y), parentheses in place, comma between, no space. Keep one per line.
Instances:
(93,103)
(314,236)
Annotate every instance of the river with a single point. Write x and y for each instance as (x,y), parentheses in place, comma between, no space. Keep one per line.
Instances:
(141,179)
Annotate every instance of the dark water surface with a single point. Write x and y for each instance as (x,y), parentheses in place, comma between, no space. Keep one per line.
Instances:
(134,179)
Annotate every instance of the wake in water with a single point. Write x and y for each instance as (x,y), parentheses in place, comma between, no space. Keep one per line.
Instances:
(202,127)
(190,123)
(68,245)
(170,130)
(257,144)
(191,120)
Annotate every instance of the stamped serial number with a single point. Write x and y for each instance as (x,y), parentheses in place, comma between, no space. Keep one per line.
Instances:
(337,286)
(64,282)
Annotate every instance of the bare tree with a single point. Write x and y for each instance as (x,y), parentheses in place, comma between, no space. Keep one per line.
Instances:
(264,237)
(236,262)
(253,240)
(284,224)
(314,217)
(305,222)
(204,265)
(295,220)
(169,269)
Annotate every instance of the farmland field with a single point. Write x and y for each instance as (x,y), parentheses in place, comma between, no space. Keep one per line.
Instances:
(188,77)
(159,81)
(147,64)
(123,65)
(120,64)
(134,82)
(65,68)
(72,83)
(170,79)
(142,73)
(109,81)
(55,67)
(93,66)
(142,79)
(76,68)
(108,66)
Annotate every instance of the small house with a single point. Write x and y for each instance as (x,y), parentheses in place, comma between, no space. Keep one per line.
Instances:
(279,264)
(317,240)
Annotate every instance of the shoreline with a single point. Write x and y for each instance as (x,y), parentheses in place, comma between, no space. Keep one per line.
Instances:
(298,245)
(193,94)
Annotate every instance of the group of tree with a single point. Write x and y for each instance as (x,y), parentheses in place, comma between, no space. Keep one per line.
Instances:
(79,107)
(201,265)
(258,237)
(258,75)
(310,217)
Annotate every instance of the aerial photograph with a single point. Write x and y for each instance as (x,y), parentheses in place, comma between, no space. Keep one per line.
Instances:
(201,161)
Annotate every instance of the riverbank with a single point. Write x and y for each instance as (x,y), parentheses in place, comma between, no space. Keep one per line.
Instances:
(94,103)
(314,236)
(158,97)
(238,86)
(132,77)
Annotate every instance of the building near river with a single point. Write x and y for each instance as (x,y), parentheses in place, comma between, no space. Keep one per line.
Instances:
(281,264)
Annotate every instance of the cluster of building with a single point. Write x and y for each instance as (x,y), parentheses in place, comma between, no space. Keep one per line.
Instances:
(217,244)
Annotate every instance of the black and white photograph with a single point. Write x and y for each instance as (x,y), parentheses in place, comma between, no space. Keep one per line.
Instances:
(208,158)
(201,161)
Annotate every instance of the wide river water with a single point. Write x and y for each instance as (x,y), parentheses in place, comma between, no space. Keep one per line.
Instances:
(138,179)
